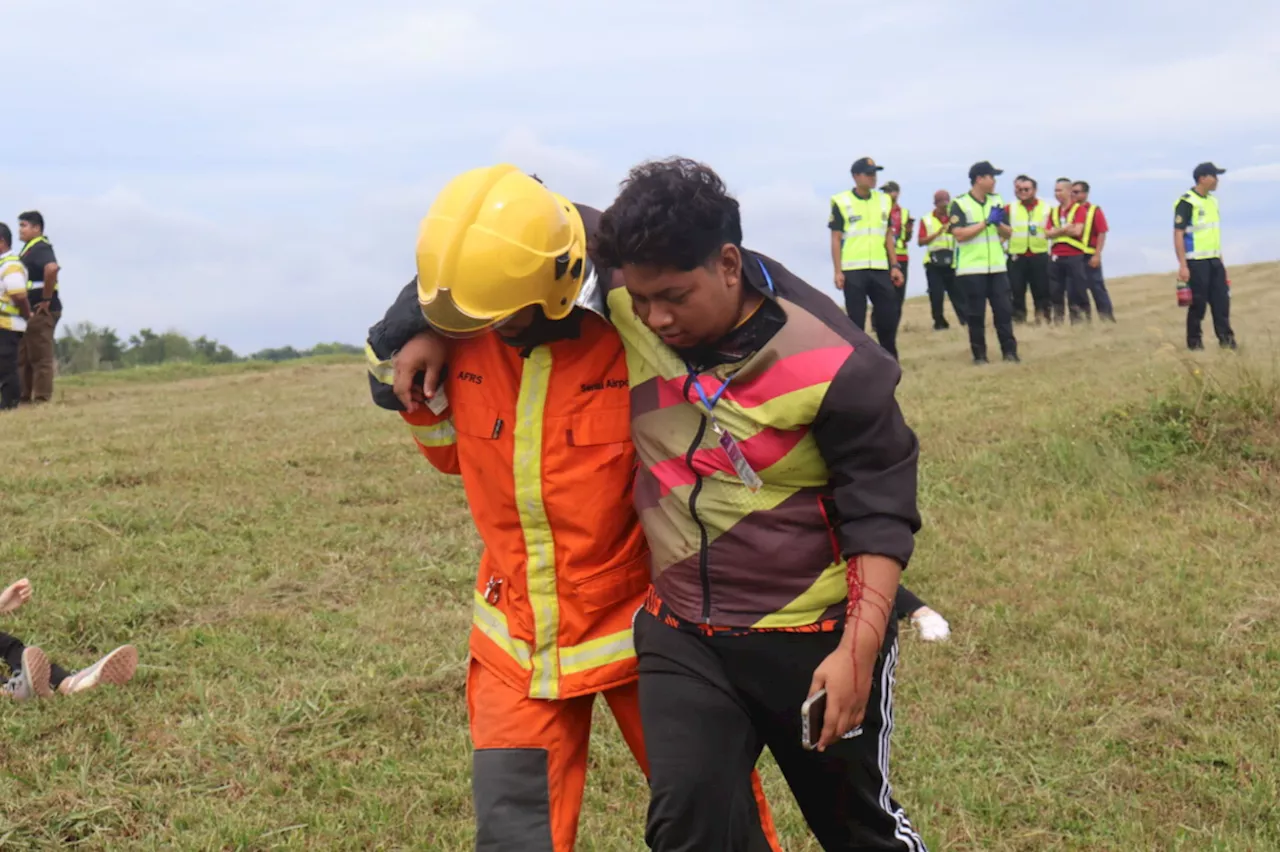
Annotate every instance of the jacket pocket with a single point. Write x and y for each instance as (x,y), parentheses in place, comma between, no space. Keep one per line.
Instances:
(594,428)
(479,421)
(615,585)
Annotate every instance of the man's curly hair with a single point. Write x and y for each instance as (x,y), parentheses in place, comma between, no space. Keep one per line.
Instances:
(670,214)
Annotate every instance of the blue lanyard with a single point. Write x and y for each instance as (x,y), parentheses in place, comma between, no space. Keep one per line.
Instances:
(710,401)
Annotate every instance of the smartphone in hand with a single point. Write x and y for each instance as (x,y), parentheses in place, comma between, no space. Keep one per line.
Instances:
(811,715)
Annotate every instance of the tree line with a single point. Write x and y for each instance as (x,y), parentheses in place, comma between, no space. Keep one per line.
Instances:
(85,347)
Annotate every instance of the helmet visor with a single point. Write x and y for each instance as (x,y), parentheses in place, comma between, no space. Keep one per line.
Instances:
(447,318)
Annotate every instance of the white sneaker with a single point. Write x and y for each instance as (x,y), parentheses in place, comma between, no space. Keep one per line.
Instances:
(115,668)
(931,626)
(32,680)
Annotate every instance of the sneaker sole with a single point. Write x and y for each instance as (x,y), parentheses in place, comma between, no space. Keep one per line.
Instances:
(116,668)
(36,667)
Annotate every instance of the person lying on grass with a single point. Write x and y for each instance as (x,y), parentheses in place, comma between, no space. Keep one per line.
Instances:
(33,675)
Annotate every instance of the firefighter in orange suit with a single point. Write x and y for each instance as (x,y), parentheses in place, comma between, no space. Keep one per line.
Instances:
(534,415)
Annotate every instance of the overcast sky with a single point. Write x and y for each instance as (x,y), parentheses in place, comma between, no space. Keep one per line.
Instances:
(256,171)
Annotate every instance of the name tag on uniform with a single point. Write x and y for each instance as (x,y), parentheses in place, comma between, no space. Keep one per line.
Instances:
(741,466)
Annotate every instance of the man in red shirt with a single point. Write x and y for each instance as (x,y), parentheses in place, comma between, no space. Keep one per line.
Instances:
(1068,226)
(1094,281)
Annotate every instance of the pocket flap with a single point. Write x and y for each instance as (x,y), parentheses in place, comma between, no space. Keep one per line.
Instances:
(479,421)
(611,426)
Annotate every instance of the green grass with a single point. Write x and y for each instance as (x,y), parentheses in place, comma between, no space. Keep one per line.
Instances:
(1101,531)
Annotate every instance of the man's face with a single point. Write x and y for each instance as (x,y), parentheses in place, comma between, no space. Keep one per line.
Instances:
(688,309)
(865,181)
(986,183)
(1209,182)
(1079,194)
(1024,190)
(27,231)
(894,195)
(1062,192)
(941,200)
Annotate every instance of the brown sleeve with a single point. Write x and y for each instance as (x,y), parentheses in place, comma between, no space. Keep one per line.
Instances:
(872,455)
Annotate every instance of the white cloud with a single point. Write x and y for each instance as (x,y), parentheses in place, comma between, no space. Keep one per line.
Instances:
(257,170)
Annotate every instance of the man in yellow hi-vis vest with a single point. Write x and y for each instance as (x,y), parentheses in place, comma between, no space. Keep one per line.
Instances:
(1197,241)
(864,255)
(1029,251)
(978,225)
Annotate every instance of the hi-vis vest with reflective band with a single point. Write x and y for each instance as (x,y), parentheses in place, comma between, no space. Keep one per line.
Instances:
(1203,235)
(767,558)
(904,235)
(1022,221)
(983,254)
(945,242)
(543,445)
(10,316)
(1055,216)
(35,285)
(866,222)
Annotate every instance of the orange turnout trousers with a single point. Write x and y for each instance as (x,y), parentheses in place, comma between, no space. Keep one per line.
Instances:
(541,440)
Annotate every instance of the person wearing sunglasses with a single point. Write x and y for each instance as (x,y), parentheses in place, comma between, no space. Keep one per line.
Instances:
(1094,284)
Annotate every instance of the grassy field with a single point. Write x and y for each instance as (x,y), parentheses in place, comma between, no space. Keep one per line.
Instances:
(1101,531)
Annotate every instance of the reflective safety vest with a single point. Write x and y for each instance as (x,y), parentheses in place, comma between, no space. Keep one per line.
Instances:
(35,285)
(1202,237)
(941,251)
(1028,228)
(983,253)
(543,446)
(866,222)
(1055,216)
(10,316)
(904,233)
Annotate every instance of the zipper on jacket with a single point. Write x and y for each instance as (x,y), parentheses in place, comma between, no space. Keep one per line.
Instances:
(704,573)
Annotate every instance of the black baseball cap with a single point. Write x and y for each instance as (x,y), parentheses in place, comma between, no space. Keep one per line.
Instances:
(865,166)
(983,168)
(891,186)
(1205,169)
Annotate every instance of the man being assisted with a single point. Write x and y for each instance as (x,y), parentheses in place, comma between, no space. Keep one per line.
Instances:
(534,416)
(777,489)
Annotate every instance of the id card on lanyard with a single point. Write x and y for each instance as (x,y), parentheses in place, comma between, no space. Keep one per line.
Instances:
(741,466)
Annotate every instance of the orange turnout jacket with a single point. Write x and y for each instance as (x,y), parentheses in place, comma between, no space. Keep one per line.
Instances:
(543,444)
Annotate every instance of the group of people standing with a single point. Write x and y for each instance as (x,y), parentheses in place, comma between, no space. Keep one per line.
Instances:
(30,307)
(979,250)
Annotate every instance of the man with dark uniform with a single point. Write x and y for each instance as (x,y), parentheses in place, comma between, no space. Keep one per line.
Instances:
(1197,241)
(864,255)
(37,357)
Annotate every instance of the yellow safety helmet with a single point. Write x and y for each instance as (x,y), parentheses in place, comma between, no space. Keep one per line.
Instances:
(494,241)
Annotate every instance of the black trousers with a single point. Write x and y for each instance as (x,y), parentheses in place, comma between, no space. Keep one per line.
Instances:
(10,384)
(942,283)
(980,289)
(710,704)
(1067,286)
(1209,289)
(11,649)
(900,293)
(886,309)
(1095,285)
(1030,272)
